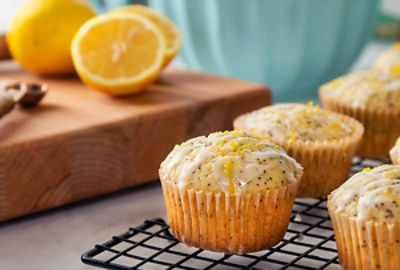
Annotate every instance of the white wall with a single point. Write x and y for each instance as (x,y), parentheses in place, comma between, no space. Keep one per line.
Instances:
(7,11)
(391,7)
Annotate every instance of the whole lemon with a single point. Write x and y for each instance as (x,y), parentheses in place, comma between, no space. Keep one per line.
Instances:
(40,35)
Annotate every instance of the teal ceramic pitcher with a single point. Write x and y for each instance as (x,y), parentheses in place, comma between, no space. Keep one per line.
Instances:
(291,45)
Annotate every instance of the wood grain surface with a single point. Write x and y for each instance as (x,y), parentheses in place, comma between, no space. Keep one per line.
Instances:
(4,52)
(80,143)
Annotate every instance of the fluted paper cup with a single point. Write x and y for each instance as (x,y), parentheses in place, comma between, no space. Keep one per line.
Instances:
(242,223)
(366,245)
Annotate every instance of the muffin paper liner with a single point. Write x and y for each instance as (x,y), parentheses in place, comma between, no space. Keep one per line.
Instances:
(365,244)
(239,224)
(382,127)
(326,163)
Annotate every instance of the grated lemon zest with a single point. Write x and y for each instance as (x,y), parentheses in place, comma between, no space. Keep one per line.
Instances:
(228,168)
(261,139)
(237,132)
(298,119)
(235,147)
(292,136)
(336,126)
(392,174)
(395,70)
(218,149)
(334,83)
(316,109)
(391,195)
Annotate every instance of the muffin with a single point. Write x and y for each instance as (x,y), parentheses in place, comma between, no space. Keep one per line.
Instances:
(323,142)
(389,61)
(365,214)
(373,98)
(229,192)
(395,152)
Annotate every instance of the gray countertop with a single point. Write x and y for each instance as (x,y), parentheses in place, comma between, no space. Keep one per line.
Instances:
(55,239)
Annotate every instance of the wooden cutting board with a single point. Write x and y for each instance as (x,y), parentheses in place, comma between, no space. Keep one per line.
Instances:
(80,143)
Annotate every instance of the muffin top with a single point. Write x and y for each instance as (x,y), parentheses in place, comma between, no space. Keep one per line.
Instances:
(395,152)
(294,122)
(389,61)
(365,89)
(373,194)
(230,162)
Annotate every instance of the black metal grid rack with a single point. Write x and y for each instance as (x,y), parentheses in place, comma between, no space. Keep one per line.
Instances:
(308,244)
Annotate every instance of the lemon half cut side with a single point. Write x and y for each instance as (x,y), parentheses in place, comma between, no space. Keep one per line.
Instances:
(118,53)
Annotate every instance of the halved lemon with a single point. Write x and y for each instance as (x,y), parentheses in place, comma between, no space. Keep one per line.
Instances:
(118,53)
(171,32)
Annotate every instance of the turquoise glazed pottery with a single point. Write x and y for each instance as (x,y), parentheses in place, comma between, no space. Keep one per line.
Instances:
(102,6)
(291,45)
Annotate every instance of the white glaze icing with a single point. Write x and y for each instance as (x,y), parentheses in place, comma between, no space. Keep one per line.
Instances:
(365,89)
(294,122)
(206,163)
(370,194)
(389,61)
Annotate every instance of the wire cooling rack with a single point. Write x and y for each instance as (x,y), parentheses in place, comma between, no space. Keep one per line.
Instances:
(308,244)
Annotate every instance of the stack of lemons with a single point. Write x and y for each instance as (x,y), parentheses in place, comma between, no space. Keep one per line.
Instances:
(120,52)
